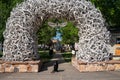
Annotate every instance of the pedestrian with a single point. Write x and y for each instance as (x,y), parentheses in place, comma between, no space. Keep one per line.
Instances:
(51,52)
(73,53)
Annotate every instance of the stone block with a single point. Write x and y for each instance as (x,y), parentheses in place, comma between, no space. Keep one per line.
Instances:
(35,68)
(2,68)
(111,67)
(29,68)
(90,67)
(82,68)
(9,68)
(22,68)
(96,66)
(16,66)
(117,66)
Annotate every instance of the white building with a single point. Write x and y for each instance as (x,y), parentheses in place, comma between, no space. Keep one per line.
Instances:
(115,40)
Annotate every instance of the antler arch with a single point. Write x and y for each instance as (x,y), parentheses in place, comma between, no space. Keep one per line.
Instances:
(20,35)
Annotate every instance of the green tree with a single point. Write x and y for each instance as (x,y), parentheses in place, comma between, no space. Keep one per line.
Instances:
(3,16)
(110,10)
(5,8)
(70,34)
(45,34)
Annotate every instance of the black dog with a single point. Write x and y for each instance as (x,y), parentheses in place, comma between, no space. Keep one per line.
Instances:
(55,66)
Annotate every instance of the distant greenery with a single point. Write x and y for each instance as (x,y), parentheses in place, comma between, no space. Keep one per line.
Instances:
(110,10)
(69,33)
(44,56)
(67,56)
(1,53)
(45,34)
(5,8)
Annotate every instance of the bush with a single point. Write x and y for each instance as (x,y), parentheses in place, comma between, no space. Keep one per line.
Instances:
(67,56)
(44,56)
(1,53)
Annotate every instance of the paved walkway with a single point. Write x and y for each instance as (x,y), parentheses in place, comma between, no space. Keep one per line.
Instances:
(66,72)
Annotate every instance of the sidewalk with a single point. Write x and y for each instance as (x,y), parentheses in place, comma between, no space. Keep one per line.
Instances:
(66,72)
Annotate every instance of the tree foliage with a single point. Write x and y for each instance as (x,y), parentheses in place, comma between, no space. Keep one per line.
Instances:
(110,10)
(70,34)
(45,33)
(5,8)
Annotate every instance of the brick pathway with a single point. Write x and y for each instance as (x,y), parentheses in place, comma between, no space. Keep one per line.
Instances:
(66,72)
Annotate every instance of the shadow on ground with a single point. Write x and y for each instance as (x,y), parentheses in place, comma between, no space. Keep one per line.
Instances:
(56,57)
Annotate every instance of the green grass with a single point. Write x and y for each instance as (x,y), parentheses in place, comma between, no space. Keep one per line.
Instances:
(44,56)
(1,53)
(67,56)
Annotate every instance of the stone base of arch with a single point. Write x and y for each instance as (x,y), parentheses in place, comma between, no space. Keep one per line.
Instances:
(112,65)
(17,66)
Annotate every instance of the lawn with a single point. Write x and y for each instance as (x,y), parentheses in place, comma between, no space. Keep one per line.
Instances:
(67,56)
(44,56)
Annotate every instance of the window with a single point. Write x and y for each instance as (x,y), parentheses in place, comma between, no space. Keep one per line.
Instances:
(118,41)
